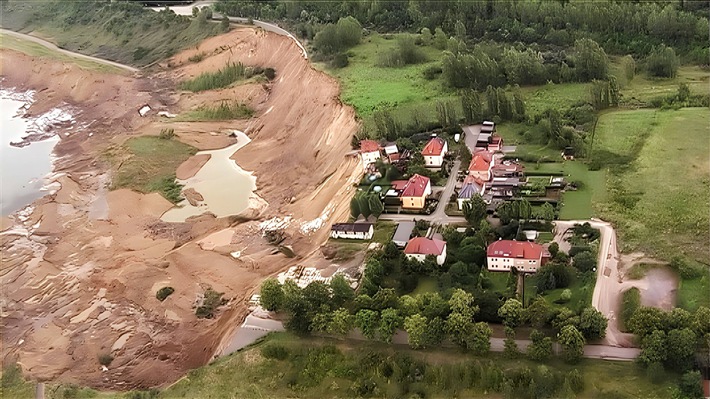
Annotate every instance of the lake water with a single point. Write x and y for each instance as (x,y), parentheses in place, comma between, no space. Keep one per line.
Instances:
(224,186)
(22,170)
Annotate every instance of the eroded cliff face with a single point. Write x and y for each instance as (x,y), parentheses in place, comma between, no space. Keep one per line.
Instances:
(80,271)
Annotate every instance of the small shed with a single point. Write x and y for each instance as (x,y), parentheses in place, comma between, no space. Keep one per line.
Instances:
(403,233)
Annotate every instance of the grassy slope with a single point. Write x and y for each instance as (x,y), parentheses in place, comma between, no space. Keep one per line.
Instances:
(669,179)
(150,162)
(37,50)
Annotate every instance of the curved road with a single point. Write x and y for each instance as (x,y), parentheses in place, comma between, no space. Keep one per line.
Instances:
(54,47)
(187,10)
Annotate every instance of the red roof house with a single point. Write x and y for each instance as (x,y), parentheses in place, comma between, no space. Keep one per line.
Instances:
(369,146)
(416,190)
(420,247)
(434,152)
(481,165)
(525,256)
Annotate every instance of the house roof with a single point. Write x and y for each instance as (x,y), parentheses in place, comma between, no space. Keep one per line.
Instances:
(416,186)
(352,227)
(403,232)
(471,186)
(391,149)
(515,249)
(425,246)
(480,161)
(435,146)
(369,146)
(496,140)
(399,184)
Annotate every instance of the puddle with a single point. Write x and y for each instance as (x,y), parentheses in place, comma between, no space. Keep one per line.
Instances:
(224,186)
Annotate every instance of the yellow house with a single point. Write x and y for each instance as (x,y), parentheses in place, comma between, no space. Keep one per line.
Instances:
(415,192)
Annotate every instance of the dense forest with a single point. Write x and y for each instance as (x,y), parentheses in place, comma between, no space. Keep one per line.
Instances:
(619,27)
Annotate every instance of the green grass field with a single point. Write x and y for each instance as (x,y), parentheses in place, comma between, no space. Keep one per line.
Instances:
(660,201)
(37,50)
(148,164)
(693,293)
(557,96)
(426,284)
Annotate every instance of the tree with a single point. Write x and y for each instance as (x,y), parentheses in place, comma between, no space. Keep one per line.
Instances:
(554,248)
(681,344)
(592,324)
(662,62)
(459,327)
(460,30)
(591,62)
(646,320)
(474,210)
(701,321)
(426,36)
(683,92)
(584,261)
(510,347)
(435,332)
(341,323)
(390,321)
(376,205)
(462,302)
(416,328)
(317,294)
(271,295)
(547,212)
(224,24)
(572,342)
(479,341)
(471,105)
(511,312)
(691,384)
(341,290)
(355,207)
(440,39)
(653,348)
(628,65)
(337,37)
(367,321)
(566,295)
(540,347)
(538,313)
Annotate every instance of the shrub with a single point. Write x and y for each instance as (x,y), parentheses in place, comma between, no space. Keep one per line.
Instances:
(340,60)
(432,72)
(212,300)
(223,112)
(274,351)
(566,295)
(168,187)
(270,73)
(197,57)
(167,134)
(164,293)
(662,62)
(216,80)
(105,359)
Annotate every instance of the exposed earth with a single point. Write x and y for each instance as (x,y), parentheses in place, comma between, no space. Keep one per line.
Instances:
(81,267)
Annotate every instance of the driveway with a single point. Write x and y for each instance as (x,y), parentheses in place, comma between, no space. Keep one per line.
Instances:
(439,216)
(471,136)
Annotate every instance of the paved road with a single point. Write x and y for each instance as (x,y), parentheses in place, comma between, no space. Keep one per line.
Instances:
(53,47)
(439,216)
(187,10)
(607,290)
(603,352)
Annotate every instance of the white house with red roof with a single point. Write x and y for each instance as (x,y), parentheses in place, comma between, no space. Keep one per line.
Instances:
(434,152)
(420,247)
(369,152)
(415,191)
(525,256)
(481,165)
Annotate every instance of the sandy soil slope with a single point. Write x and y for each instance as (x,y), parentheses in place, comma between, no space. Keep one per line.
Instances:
(80,271)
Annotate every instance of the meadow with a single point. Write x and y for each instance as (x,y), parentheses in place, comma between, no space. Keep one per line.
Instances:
(148,163)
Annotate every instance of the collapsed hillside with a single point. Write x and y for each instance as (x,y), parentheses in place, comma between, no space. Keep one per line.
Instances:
(83,282)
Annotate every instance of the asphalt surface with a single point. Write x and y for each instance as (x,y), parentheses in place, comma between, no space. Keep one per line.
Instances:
(54,47)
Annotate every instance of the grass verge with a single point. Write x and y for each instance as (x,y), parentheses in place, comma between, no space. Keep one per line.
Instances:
(630,303)
(149,165)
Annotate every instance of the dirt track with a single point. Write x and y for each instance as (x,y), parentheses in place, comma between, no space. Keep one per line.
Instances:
(83,282)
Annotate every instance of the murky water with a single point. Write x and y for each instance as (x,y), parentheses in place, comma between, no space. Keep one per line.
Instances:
(224,186)
(22,170)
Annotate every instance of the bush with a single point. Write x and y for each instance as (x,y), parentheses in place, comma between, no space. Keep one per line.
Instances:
(167,134)
(197,57)
(566,295)
(686,270)
(105,359)
(212,300)
(432,72)
(164,293)
(274,351)
(270,73)
(630,303)
(168,187)
(662,62)
(340,60)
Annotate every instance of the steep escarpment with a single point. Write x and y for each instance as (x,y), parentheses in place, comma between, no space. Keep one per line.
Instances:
(80,272)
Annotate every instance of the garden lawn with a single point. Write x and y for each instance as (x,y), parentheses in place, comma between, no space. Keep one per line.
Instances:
(384,231)
(659,202)
(426,284)
(149,165)
(693,293)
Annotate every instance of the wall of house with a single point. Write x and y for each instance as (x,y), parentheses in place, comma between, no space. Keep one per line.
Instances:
(439,259)
(502,264)
(352,235)
(433,160)
(370,157)
(413,202)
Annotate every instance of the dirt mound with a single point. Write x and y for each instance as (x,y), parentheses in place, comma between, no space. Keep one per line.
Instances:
(87,286)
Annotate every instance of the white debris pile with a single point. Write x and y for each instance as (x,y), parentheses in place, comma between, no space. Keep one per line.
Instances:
(275,223)
(302,276)
(143,111)
(315,224)
(166,114)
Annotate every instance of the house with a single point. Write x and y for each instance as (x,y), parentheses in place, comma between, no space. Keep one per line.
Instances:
(392,152)
(507,168)
(403,233)
(356,231)
(434,152)
(420,247)
(414,193)
(485,134)
(471,187)
(568,154)
(495,143)
(369,151)
(525,256)
(481,165)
